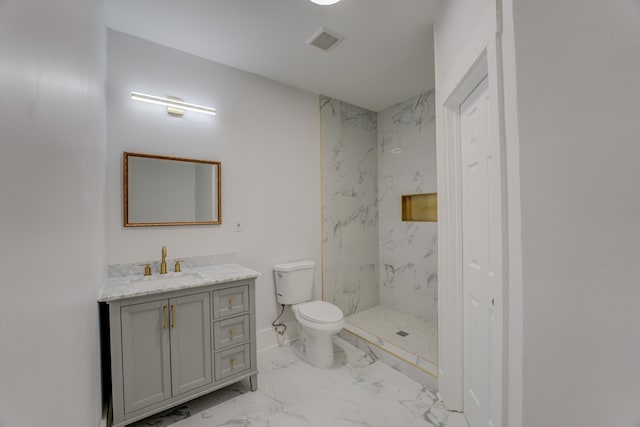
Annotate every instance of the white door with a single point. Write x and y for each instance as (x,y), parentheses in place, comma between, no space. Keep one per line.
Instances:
(482,259)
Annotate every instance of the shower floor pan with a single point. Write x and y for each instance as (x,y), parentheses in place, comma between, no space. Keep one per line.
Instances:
(411,340)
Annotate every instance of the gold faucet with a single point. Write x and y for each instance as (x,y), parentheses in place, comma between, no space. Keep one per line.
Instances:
(163,264)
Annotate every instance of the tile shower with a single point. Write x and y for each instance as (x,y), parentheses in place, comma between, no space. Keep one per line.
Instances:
(381,271)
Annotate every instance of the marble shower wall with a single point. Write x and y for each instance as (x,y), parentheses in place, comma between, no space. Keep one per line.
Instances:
(369,160)
(407,165)
(349,205)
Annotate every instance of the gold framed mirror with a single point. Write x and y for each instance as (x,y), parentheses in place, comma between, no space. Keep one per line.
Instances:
(163,190)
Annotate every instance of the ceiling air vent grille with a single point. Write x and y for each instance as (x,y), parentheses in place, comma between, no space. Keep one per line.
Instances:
(325,39)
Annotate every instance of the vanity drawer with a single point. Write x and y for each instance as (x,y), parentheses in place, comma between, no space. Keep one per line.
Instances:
(232,361)
(230,332)
(227,302)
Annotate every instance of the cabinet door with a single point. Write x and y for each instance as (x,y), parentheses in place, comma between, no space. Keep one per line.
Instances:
(190,342)
(145,354)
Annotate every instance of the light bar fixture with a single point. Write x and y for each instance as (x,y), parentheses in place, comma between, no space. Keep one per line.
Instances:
(174,106)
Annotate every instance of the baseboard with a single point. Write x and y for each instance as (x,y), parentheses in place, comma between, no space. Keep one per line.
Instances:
(269,338)
(106,419)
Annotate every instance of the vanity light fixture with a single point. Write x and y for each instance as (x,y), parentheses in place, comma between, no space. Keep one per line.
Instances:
(325,2)
(174,106)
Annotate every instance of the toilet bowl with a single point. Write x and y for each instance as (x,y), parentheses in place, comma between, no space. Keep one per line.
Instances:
(317,320)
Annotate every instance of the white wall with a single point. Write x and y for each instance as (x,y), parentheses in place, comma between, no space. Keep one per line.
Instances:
(265,134)
(52,157)
(462,31)
(577,67)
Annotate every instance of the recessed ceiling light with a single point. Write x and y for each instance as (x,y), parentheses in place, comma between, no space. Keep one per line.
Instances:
(325,2)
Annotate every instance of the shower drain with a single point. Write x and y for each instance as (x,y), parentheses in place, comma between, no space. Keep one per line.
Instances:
(402,333)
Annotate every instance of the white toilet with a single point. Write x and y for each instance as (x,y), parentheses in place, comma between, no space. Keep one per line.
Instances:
(317,320)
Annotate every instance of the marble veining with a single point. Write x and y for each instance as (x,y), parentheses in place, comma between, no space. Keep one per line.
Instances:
(136,268)
(381,324)
(407,165)
(398,359)
(373,262)
(116,288)
(349,205)
(370,256)
(358,390)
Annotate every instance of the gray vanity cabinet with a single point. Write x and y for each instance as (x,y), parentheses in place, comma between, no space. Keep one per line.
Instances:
(167,348)
(145,355)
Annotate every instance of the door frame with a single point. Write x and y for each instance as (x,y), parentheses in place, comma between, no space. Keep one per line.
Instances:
(450,266)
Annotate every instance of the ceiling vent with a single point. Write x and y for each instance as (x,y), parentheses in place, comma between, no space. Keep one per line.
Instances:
(325,39)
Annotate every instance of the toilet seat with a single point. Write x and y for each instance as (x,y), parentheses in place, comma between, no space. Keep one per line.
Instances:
(319,312)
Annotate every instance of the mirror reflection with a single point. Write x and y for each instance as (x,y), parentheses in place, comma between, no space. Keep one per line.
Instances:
(160,190)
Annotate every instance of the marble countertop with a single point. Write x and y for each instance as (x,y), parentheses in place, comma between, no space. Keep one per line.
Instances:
(116,288)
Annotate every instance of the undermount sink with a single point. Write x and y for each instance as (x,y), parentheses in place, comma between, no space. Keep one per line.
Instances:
(173,279)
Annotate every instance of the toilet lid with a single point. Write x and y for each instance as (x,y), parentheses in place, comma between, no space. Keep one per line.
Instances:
(320,312)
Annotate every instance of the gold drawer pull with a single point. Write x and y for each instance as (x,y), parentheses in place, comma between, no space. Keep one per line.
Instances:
(232,331)
(232,301)
(233,362)
(166,314)
(173,316)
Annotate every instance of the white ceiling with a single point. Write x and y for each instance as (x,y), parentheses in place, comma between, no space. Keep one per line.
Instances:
(385,58)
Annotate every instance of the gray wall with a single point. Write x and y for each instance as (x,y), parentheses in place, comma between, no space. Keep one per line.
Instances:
(570,75)
(577,83)
(52,168)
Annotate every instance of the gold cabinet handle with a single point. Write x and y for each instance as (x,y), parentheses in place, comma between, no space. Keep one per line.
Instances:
(232,301)
(166,315)
(233,362)
(173,316)
(232,331)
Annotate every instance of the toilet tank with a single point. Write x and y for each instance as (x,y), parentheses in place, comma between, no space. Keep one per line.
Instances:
(294,281)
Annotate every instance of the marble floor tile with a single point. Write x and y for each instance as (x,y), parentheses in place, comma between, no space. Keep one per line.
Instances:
(384,323)
(404,362)
(357,391)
